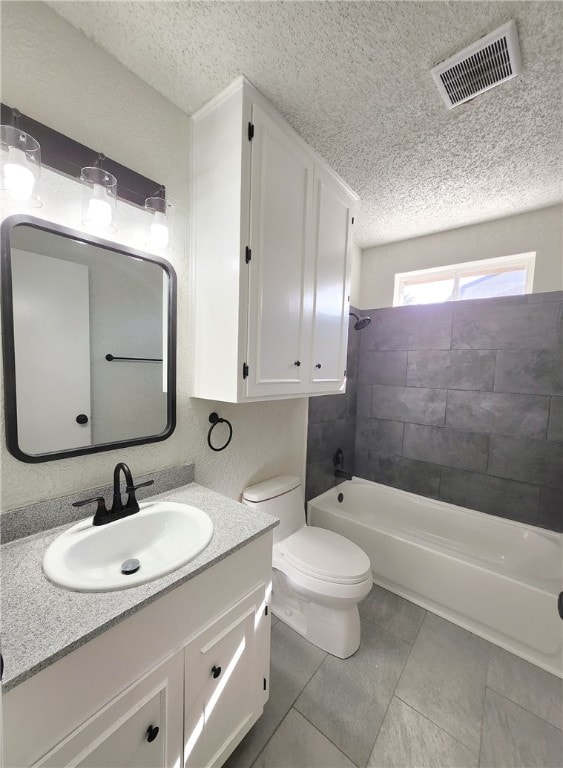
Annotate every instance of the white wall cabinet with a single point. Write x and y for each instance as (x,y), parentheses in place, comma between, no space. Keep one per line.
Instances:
(194,665)
(271,239)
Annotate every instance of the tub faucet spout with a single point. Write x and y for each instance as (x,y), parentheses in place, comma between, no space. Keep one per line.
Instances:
(338,463)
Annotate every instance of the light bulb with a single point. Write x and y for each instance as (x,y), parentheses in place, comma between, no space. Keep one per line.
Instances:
(159,234)
(20,166)
(18,181)
(99,212)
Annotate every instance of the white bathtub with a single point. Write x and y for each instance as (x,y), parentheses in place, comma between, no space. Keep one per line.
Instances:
(492,576)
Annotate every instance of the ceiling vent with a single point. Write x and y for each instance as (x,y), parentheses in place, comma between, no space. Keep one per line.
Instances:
(482,65)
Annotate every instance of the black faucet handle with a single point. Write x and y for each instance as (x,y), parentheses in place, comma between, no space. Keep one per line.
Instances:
(132,503)
(101,508)
(133,488)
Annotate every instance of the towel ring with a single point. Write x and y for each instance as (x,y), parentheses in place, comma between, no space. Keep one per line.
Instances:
(215,419)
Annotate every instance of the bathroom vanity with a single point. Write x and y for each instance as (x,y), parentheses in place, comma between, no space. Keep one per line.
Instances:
(170,673)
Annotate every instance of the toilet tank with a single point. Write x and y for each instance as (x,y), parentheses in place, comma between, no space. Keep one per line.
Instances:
(281,497)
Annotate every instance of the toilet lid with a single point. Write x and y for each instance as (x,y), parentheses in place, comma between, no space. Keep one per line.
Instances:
(326,555)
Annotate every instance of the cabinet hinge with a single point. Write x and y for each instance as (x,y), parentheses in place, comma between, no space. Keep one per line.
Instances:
(352,219)
(248,254)
(265,684)
(244,370)
(250,131)
(266,611)
(345,373)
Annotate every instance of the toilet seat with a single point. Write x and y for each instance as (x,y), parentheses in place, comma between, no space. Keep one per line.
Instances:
(323,555)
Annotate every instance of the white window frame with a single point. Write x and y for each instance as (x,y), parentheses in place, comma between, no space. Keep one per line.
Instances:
(497,265)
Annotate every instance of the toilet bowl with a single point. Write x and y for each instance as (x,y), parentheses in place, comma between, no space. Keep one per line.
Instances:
(319,577)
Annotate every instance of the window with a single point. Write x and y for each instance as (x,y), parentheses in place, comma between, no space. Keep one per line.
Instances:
(483,279)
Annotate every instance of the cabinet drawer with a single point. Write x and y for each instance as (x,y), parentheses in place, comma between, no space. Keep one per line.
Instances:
(118,736)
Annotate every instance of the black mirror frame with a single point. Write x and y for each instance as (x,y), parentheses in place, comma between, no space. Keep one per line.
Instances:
(8,344)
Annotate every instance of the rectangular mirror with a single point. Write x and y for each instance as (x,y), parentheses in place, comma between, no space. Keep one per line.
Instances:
(89,342)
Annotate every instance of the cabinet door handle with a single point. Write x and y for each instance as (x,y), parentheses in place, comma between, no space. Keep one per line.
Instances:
(152,733)
(297,363)
(318,365)
(215,671)
(82,418)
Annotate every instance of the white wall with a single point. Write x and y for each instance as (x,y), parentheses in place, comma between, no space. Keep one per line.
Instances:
(540,231)
(355,276)
(53,73)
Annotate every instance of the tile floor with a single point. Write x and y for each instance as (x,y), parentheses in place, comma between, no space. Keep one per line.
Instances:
(420,692)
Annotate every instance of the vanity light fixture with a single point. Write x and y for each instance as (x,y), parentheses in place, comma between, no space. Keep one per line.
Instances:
(160,227)
(20,161)
(99,198)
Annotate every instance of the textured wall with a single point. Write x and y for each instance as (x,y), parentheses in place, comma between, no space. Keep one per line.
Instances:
(540,231)
(459,401)
(355,275)
(98,102)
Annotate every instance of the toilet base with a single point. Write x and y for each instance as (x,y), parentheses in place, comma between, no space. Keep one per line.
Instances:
(334,630)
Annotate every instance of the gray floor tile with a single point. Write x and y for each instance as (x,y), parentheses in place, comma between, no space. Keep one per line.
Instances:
(398,616)
(514,737)
(347,698)
(527,685)
(297,744)
(407,739)
(445,679)
(293,661)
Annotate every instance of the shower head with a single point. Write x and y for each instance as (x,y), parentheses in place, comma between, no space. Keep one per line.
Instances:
(361,322)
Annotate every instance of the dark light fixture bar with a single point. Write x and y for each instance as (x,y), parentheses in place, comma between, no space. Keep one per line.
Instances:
(69,157)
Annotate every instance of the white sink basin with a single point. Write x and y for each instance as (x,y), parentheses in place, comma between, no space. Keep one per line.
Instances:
(162,536)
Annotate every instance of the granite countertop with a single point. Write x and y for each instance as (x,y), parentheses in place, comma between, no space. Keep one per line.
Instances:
(42,623)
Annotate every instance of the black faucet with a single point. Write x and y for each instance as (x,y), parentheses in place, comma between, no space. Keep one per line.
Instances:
(337,462)
(117,511)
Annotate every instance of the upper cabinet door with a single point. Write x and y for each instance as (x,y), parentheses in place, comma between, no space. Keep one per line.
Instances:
(332,242)
(280,296)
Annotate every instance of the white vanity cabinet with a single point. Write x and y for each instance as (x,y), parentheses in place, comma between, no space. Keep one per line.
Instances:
(193,664)
(140,728)
(271,239)
(225,683)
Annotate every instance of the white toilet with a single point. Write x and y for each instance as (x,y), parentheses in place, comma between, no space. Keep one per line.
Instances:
(319,576)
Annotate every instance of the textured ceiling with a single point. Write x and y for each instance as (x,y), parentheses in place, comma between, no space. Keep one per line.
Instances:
(353,79)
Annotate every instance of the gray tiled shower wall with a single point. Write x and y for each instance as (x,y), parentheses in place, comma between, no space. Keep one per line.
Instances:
(460,401)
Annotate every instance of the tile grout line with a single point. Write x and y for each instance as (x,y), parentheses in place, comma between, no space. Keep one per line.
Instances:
(396,686)
(426,716)
(427,612)
(489,650)
(326,737)
(525,709)
(380,626)
(291,706)
(439,727)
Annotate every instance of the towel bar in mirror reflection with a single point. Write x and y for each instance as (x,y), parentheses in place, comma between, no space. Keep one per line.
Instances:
(67,297)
